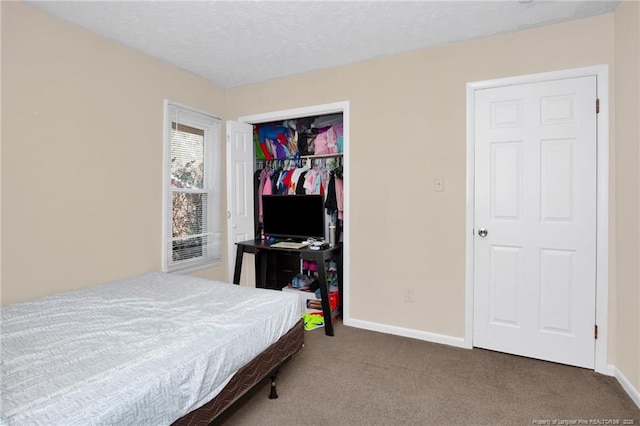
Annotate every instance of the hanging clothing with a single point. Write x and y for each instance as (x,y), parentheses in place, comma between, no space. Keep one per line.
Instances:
(263,182)
(279,185)
(331,203)
(300,185)
(286,181)
(257,199)
(275,176)
(340,197)
(312,181)
(295,178)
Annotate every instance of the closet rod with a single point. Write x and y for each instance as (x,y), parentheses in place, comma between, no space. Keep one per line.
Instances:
(335,154)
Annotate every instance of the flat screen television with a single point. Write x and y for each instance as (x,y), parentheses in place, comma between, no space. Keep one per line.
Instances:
(297,217)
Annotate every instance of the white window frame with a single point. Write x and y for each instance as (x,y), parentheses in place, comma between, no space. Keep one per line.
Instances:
(211,125)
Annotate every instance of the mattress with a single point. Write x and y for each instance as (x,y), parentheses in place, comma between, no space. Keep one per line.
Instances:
(140,351)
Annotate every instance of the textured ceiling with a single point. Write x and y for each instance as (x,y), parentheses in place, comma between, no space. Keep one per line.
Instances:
(233,43)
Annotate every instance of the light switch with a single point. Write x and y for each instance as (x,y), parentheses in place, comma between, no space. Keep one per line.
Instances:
(438,183)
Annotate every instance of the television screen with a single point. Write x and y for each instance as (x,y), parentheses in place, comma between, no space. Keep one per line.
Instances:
(293,216)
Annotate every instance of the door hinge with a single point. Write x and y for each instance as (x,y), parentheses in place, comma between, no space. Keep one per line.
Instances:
(597,106)
(595,331)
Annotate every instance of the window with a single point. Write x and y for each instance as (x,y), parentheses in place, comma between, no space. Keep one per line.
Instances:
(191,213)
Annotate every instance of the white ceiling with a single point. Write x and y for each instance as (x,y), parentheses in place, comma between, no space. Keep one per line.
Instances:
(234,43)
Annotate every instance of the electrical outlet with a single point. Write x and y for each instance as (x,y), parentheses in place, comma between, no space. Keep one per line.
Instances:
(408,295)
(438,183)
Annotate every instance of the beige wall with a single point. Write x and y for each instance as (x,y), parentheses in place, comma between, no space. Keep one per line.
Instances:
(408,117)
(627,167)
(82,154)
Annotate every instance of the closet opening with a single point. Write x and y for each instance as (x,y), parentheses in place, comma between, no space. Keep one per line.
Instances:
(312,148)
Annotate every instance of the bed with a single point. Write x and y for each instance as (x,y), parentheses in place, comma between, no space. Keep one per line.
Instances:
(151,350)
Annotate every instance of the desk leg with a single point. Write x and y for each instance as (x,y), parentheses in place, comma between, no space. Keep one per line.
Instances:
(324,293)
(238,268)
(261,259)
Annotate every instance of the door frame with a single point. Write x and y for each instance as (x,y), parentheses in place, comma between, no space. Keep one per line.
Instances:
(322,109)
(602,197)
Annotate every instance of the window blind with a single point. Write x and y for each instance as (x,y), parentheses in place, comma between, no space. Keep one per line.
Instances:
(193,219)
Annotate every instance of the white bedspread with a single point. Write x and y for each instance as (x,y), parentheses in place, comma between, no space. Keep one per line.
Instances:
(141,351)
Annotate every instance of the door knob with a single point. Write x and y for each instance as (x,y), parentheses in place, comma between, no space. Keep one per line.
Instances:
(483,232)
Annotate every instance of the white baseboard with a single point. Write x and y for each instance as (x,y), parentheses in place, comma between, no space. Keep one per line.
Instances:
(627,386)
(609,371)
(406,332)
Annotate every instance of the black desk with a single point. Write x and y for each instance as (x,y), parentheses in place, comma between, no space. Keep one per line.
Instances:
(260,247)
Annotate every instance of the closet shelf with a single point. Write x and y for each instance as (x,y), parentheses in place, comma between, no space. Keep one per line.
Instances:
(335,154)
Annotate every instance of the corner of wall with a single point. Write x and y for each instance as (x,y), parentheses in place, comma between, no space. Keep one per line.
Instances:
(627,203)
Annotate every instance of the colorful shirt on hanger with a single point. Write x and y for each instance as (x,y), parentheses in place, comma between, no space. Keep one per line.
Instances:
(340,197)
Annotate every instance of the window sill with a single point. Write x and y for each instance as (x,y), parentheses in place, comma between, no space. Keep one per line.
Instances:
(187,269)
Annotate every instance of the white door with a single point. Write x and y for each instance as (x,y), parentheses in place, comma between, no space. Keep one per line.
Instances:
(240,218)
(535,195)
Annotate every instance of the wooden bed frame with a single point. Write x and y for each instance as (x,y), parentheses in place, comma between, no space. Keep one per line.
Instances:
(266,363)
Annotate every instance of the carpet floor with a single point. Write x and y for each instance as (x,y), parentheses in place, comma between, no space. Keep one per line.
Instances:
(360,377)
